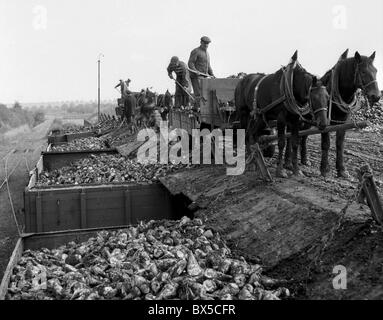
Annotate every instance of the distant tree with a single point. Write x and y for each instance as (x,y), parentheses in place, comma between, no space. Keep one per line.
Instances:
(17,106)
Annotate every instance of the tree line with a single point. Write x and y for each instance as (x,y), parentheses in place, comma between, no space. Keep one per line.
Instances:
(17,116)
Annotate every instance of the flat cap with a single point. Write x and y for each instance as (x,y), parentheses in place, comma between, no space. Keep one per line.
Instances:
(206,39)
(174,59)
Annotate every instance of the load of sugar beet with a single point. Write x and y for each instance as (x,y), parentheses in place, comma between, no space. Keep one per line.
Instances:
(158,260)
(91,143)
(104,168)
(373,114)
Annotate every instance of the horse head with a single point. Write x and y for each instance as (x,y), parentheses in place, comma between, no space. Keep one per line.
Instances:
(354,73)
(302,81)
(365,77)
(319,99)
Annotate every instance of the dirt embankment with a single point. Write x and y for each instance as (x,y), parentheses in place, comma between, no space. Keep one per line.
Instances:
(291,224)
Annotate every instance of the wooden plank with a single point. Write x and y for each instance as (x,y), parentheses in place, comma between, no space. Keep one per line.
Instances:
(369,192)
(128,206)
(131,147)
(308,132)
(39,223)
(106,205)
(260,161)
(81,135)
(16,255)
(83,209)
(58,213)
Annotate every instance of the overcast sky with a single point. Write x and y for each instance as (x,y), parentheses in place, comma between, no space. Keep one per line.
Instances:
(49,49)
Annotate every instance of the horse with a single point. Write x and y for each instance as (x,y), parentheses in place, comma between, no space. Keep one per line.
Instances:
(343,82)
(146,102)
(319,99)
(283,96)
(164,104)
(129,111)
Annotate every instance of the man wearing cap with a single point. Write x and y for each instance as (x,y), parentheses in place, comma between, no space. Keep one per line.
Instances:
(181,96)
(199,64)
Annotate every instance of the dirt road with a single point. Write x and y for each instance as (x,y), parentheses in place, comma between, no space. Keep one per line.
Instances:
(19,150)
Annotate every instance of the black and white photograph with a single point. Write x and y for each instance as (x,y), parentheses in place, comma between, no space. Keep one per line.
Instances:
(192,154)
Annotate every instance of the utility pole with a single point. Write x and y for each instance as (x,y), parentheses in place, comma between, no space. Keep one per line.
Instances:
(99,85)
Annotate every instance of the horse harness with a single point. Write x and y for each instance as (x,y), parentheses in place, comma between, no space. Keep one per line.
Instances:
(335,97)
(287,97)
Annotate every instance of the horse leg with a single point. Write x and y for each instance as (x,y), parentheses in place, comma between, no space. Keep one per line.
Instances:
(325,145)
(281,126)
(303,144)
(342,172)
(294,148)
(288,164)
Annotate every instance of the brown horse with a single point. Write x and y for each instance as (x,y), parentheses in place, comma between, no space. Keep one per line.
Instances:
(283,96)
(343,81)
(319,99)
(146,102)
(164,104)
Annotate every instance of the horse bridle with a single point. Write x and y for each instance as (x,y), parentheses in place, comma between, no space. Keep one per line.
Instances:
(320,109)
(358,78)
(314,112)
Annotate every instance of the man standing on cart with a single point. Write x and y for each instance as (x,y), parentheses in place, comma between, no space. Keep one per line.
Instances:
(199,65)
(183,87)
(124,88)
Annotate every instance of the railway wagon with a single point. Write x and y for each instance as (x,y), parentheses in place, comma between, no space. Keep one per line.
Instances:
(67,207)
(37,241)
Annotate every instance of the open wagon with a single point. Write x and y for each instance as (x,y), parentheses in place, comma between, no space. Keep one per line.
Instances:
(216,109)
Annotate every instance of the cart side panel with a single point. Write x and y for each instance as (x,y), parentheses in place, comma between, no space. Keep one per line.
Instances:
(54,139)
(224,90)
(151,202)
(105,207)
(94,206)
(16,255)
(57,160)
(73,136)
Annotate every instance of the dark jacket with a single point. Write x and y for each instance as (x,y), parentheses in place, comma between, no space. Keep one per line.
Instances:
(182,73)
(199,60)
